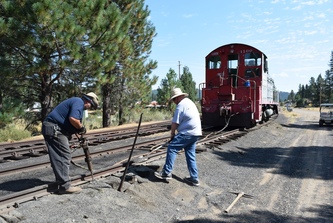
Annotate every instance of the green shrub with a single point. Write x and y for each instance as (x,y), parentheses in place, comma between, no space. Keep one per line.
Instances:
(5,118)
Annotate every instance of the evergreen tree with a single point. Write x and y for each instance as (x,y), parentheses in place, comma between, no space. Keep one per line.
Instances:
(330,64)
(328,90)
(319,90)
(47,40)
(307,92)
(320,85)
(329,81)
(312,90)
(291,96)
(132,82)
(188,84)
(299,90)
(167,84)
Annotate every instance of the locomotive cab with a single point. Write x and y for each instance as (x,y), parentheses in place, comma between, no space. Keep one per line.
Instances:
(238,89)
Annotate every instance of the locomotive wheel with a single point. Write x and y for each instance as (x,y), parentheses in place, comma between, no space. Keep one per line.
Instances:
(262,118)
(265,118)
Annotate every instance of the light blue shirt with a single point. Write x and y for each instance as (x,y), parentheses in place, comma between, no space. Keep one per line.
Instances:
(188,118)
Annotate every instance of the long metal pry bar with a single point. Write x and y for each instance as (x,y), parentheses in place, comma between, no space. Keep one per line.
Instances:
(239,195)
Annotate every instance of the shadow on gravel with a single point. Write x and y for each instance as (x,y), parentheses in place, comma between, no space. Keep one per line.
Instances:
(310,125)
(22,184)
(294,162)
(324,213)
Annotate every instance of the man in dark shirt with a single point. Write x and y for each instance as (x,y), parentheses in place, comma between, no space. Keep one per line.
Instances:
(57,129)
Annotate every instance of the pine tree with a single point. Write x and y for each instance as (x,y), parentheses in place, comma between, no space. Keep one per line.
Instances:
(320,86)
(329,81)
(166,86)
(291,96)
(188,84)
(132,82)
(56,41)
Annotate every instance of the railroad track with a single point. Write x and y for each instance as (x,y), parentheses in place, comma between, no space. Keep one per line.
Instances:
(36,148)
(146,152)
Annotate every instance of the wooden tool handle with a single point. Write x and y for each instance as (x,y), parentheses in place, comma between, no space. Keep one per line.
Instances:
(234,202)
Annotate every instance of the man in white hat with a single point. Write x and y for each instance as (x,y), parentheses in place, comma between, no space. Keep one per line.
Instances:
(186,121)
(57,129)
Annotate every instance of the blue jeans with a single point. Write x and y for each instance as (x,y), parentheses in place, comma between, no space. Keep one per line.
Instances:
(179,142)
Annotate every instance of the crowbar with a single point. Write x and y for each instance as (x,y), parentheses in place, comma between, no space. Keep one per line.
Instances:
(239,195)
(129,158)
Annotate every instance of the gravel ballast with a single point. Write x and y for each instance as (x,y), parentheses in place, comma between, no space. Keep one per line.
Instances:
(285,166)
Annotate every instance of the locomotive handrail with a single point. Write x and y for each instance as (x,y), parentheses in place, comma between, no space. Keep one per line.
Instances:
(254,95)
(254,91)
(201,86)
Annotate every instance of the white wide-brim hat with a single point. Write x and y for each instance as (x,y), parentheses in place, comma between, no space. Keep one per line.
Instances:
(176,92)
(93,99)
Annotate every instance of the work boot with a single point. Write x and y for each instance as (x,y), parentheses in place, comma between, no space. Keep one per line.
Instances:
(162,175)
(70,190)
(192,182)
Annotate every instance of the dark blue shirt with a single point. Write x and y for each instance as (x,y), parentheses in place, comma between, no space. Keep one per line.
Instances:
(72,107)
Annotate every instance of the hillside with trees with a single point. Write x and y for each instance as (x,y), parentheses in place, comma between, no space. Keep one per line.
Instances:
(318,90)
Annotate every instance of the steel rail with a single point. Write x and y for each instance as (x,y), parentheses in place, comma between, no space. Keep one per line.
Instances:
(38,148)
(43,164)
(106,132)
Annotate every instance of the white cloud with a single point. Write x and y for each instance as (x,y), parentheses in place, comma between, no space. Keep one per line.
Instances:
(321,15)
(308,3)
(312,32)
(188,15)
(297,8)
(282,74)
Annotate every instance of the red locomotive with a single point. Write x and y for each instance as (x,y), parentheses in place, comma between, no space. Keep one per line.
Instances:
(238,91)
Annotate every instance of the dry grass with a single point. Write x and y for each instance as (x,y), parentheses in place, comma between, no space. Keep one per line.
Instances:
(14,132)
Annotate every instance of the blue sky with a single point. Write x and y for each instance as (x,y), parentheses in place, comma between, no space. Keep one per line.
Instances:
(296,35)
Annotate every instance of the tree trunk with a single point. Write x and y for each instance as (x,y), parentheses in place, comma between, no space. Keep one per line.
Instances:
(1,101)
(121,109)
(46,97)
(107,111)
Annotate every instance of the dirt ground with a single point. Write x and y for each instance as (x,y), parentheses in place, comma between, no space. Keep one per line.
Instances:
(286,167)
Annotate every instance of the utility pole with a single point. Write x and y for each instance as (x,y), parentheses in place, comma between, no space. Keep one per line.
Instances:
(179,69)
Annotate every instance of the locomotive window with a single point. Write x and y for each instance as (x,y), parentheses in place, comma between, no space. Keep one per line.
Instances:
(214,62)
(265,65)
(233,61)
(252,59)
(232,68)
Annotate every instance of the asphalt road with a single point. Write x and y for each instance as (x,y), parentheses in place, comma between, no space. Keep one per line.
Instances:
(292,176)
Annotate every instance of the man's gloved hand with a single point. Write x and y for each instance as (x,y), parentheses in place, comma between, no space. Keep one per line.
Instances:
(82,130)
